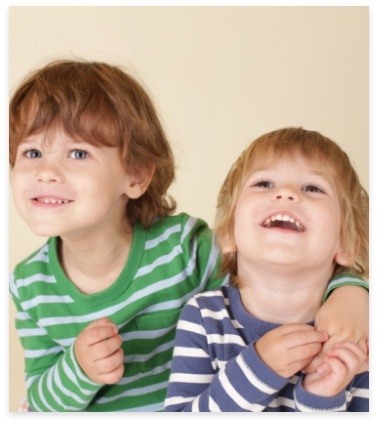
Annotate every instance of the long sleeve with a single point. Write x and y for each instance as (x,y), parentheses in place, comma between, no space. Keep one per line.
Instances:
(345,279)
(355,397)
(54,379)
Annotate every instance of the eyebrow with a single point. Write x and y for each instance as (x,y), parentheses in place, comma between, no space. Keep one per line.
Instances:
(258,170)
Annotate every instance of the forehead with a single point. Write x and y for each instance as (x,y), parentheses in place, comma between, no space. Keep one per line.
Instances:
(264,160)
(269,161)
(50,136)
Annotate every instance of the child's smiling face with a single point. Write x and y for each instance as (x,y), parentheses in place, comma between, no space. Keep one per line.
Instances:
(62,187)
(288,214)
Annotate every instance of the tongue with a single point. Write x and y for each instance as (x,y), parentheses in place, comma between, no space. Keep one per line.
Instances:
(285,225)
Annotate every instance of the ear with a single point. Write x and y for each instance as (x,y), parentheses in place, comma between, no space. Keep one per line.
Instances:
(227,244)
(138,182)
(342,257)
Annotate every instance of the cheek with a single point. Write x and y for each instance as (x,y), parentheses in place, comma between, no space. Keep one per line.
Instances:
(330,225)
(239,221)
(17,184)
(243,225)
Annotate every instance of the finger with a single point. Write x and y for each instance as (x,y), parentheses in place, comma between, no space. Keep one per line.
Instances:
(101,322)
(106,347)
(363,344)
(342,335)
(351,356)
(333,340)
(313,365)
(110,363)
(96,335)
(323,369)
(336,365)
(113,376)
(293,327)
(299,338)
(304,352)
(349,351)
(363,367)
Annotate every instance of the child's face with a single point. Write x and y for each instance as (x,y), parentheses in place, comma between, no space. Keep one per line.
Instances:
(288,216)
(61,187)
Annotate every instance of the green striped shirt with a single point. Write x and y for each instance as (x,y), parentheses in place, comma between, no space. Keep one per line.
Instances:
(167,265)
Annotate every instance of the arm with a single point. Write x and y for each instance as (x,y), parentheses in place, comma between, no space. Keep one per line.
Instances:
(54,379)
(344,315)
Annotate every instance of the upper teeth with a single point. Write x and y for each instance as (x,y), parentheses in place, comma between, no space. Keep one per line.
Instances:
(280,217)
(51,200)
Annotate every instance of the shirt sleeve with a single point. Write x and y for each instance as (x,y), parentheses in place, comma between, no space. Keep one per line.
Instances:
(355,398)
(200,249)
(309,402)
(345,279)
(54,379)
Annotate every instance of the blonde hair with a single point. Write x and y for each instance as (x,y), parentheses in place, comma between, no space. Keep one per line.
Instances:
(332,160)
(103,105)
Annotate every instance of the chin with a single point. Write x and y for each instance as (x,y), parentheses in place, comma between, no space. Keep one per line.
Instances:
(42,231)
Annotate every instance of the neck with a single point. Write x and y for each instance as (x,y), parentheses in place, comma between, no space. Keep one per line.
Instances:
(93,263)
(283,297)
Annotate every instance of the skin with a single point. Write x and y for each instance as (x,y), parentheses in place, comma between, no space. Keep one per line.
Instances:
(352,324)
(283,268)
(79,192)
(99,353)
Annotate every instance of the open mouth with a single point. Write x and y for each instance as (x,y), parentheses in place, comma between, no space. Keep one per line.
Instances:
(51,200)
(284,222)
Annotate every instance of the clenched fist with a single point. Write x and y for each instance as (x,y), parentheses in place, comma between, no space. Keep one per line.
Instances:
(290,347)
(99,353)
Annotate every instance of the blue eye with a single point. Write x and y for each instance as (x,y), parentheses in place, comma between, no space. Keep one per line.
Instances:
(78,154)
(313,188)
(33,154)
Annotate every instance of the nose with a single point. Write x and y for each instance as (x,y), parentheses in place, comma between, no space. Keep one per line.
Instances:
(286,193)
(49,172)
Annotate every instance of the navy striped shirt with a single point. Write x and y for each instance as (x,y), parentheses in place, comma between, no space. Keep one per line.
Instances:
(216,368)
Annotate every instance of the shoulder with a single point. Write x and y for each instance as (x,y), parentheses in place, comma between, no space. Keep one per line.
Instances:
(38,258)
(210,300)
(36,266)
(181,220)
(207,311)
(180,227)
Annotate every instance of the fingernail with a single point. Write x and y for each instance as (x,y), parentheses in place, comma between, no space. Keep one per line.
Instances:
(322,369)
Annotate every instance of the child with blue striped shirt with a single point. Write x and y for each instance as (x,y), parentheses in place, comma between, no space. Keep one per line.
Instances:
(291,216)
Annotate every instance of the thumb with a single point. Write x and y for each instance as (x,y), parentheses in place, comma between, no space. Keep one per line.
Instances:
(101,322)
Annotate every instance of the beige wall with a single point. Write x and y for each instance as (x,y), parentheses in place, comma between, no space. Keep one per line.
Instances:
(220,76)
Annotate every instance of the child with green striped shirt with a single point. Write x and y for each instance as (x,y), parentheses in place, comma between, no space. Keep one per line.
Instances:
(97,305)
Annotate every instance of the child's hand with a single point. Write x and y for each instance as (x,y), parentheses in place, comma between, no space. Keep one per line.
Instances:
(99,353)
(345,360)
(345,317)
(290,347)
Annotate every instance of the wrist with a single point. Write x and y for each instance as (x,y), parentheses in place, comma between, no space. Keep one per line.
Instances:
(343,280)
